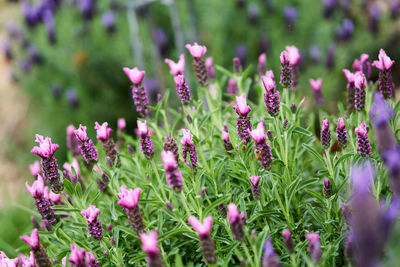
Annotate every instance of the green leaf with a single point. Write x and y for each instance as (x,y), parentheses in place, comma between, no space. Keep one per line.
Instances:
(301,130)
(313,151)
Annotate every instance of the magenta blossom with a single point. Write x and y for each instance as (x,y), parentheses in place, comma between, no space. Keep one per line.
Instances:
(384,62)
(203,229)
(197,51)
(225,135)
(77,255)
(293,55)
(210,68)
(81,134)
(26,262)
(46,148)
(254,180)
(135,75)
(316,85)
(233,213)
(187,138)
(350,76)
(75,165)
(33,240)
(176,68)
(129,198)
(258,134)
(361,129)
(284,57)
(142,128)
(262,61)
(37,189)
(150,243)
(168,158)
(241,106)
(103,132)
(90,213)
(34,168)
(268,81)
(121,124)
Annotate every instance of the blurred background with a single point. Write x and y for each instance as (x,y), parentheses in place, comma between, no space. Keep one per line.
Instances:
(61,63)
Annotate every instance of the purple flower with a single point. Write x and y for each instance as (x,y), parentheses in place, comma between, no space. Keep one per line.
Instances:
(108,21)
(88,149)
(197,51)
(316,86)
(87,8)
(381,111)
(270,259)
(182,89)
(271,97)
(327,187)
(95,228)
(174,177)
(237,65)
(171,145)
(46,148)
(325,134)
(329,7)
(146,144)
(121,124)
(262,149)
(363,65)
(359,93)
(364,146)
(241,107)
(314,246)
(384,65)
(103,132)
(72,141)
(232,87)
(203,230)
(129,200)
(40,255)
(210,68)
(287,239)
(262,63)
(77,256)
(286,70)
(341,133)
(315,54)
(227,142)
(176,68)
(135,75)
(290,14)
(33,240)
(35,169)
(150,247)
(199,66)
(188,147)
(255,188)
(104,135)
(236,221)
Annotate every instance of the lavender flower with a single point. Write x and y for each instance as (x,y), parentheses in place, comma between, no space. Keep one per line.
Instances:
(42,202)
(236,221)
(108,21)
(174,177)
(351,79)
(329,7)
(176,68)
(327,187)
(232,87)
(345,31)
(129,201)
(341,133)
(72,175)
(46,150)
(325,134)
(210,68)
(197,52)
(227,142)
(262,149)
(203,230)
(24,261)
(48,19)
(77,256)
(150,247)
(359,93)
(384,65)
(237,65)
(364,146)
(271,97)
(104,136)
(146,144)
(316,86)
(72,141)
(314,246)
(262,63)
(138,91)
(255,188)
(270,259)
(290,15)
(88,149)
(182,89)
(243,121)
(171,145)
(35,169)
(87,8)
(294,61)
(287,239)
(373,20)
(95,228)
(41,257)
(286,70)
(188,147)
(363,65)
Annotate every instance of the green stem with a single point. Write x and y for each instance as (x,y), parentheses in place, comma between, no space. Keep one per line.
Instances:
(159,179)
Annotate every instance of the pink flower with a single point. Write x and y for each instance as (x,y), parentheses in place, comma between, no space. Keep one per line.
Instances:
(176,68)
(142,128)
(362,129)
(358,63)
(293,54)
(196,50)
(91,213)
(80,133)
(262,59)
(225,136)
(103,132)
(341,123)
(35,168)
(384,62)
(179,80)
(254,180)
(325,124)
(168,158)
(351,77)
(241,106)
(96,169)
(284,57)
(77,255)
(258,134)
(210,68)
(233,213)
(53,197)
(150,243)
(313,238)
(68,167)
(121,124)
(129,198)
(46,149)
(37,189)
(187,138)
(316,85)
(135,75)
(268,81)
(26,262)
(360,81)
(33,240)
(6,262)
(203,229)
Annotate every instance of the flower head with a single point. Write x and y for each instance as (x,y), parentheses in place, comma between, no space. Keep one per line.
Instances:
(268,81)
(350,76)
(150,243)
(129,198)
(33,240)
(293,54)
(37,189)
(187,138)
(179,80)
(35,168)
(384,63)
(135,75)
(90,213)
(142,128)
(254,180)
(197,51)
(103,132)
(203,229)
(284,57)
(46,148)
(361,177)
(81,134)
(233,213)
(210,68)
(361,129)
(262,59)
(269,249)
(25,262)
(241,106)
(121,124)
(176,68)
(168,158)
(381,111)
(341,124)
(77,255)
(75,165)
(316,85)
(258,134)
(225,136)
(360,80)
